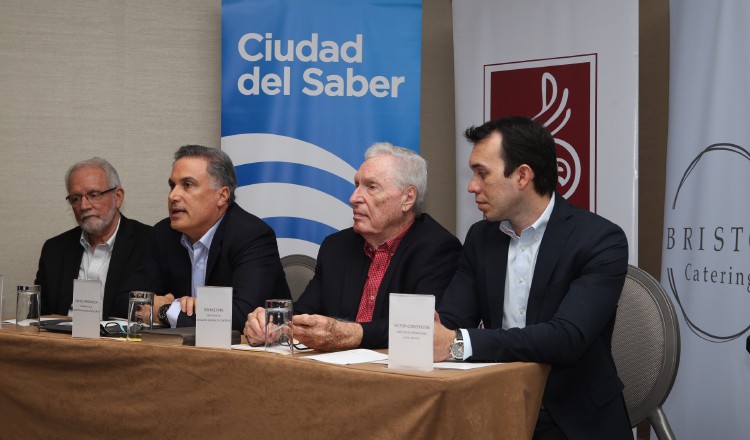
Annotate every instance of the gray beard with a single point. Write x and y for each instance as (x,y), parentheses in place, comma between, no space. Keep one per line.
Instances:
(96,225)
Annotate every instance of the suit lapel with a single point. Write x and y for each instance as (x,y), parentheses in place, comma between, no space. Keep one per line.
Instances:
(354,272)
(178,260)
(495,259)
(123,247)
(216,244)
(70,268)
(557,233)
(385,284)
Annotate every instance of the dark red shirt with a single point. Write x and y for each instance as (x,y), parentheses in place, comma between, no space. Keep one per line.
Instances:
(381,258)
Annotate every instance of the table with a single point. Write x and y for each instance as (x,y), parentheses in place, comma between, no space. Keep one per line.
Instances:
(54,386)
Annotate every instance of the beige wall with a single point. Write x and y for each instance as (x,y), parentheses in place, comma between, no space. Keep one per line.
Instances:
(653,112)
(437,119)
(126,80)
(131,80)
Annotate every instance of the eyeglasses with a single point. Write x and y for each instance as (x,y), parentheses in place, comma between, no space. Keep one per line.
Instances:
(112,329)
(285,341)
(93,197)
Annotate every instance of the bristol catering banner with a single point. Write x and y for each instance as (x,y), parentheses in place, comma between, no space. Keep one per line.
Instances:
(706,249)
(306,88)
(571,64)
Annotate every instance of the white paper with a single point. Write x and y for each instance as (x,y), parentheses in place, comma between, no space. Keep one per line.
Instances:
(347,357)
(213,317)
(87,308)
(13,321)
(455,365)
(410,330)
(281,349)
(463,365)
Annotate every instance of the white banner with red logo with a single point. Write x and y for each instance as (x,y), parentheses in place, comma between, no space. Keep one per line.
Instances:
(706,250)
(573,65)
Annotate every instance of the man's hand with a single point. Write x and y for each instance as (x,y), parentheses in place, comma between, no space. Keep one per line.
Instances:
(442,340)
(255,327)
(187,304)
(326,334)
(160,300)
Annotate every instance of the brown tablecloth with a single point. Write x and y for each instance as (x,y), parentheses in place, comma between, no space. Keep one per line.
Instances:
(54,386)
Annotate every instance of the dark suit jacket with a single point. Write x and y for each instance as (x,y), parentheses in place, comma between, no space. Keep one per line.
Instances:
(578,277)
(423,263)
(61,259)
(243,255)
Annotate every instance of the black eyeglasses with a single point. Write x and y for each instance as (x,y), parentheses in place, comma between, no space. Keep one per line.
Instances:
(93,197)
(112,329)
(284,339)
(294,343)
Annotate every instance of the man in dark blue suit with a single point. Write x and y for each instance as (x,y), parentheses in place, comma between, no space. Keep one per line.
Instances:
(208,240)
(393,247)
(543,278)
(105,246)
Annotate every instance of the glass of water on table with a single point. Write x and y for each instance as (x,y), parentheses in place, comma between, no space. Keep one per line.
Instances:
(279,328)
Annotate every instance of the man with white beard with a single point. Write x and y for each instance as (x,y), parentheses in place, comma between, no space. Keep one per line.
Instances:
(105,246)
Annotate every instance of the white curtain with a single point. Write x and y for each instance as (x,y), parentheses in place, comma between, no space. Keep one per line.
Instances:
(706,250)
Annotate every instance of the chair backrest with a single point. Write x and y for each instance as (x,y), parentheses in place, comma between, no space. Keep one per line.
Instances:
(646,347)
(299,270)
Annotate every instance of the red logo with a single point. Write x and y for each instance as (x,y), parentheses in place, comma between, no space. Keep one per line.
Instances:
(560,93)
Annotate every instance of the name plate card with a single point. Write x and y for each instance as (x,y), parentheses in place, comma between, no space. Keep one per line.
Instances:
(87,308)
(410,331)
(213,317)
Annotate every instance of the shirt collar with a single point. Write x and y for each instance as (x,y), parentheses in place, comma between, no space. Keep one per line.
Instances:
(390,245)
(109,244)
(538,227)
(206,239)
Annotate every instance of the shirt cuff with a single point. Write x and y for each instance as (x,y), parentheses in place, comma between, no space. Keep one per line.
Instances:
(467,343)
(173,313)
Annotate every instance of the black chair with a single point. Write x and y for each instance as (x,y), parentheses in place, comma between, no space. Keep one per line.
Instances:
(299,270)
(646,349)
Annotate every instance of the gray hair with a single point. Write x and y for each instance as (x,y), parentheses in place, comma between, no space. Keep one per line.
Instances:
(411,169)
(113,179)
(220,167)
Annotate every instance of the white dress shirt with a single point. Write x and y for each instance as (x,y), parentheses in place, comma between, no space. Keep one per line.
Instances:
(522,253)
(95,261)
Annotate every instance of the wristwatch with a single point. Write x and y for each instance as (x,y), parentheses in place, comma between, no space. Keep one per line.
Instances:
(457,347)
(161,314)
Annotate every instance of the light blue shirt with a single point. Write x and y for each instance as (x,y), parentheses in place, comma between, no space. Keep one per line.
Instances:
(198,253)
(522,253)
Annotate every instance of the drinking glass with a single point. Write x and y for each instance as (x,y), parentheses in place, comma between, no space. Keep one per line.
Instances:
(28,307)
(140,314)
(279,328)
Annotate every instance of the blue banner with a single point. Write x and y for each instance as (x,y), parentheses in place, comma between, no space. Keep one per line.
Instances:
(306,88)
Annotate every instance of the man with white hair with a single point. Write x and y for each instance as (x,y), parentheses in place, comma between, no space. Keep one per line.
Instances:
(105,246)
(392,247)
